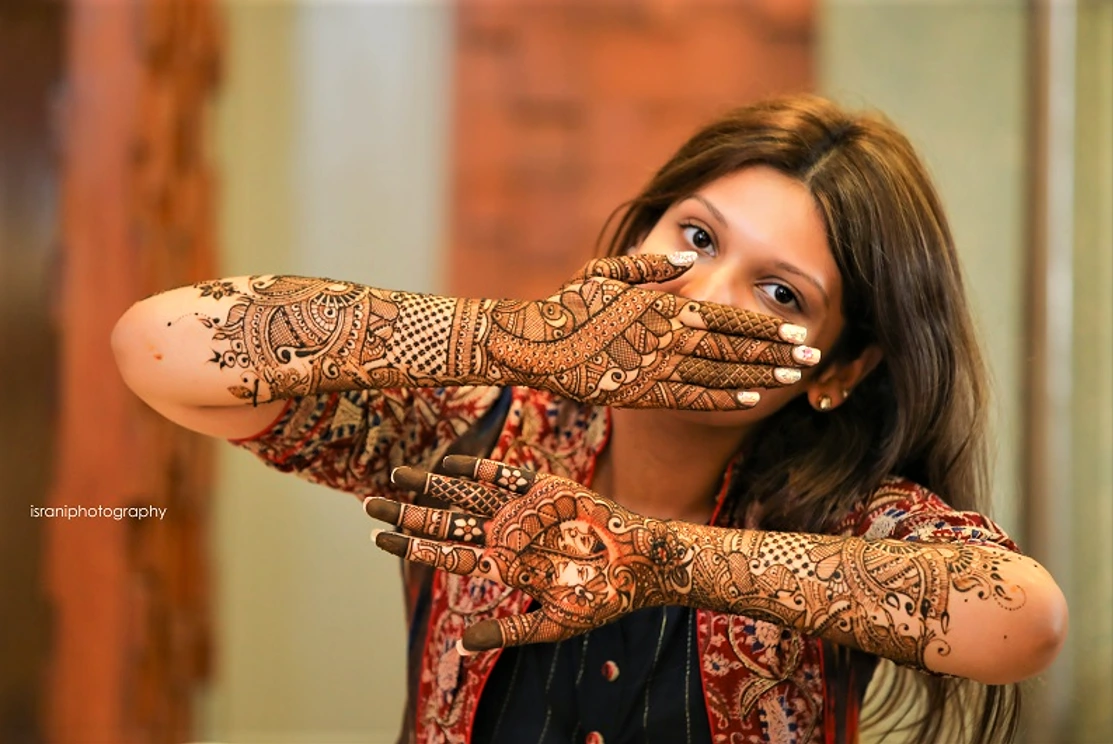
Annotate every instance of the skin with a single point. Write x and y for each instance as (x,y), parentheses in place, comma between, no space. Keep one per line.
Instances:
(979,612)
(601,339)
(762,248)
(948,608)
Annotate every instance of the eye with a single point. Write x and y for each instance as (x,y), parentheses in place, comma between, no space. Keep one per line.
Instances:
(699,238)
(781,295)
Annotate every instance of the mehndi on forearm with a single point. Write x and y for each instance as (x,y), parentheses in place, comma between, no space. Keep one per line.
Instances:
(292,336)
(887,597)
(599,339)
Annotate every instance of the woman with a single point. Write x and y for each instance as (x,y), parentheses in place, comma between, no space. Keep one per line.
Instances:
(851,485)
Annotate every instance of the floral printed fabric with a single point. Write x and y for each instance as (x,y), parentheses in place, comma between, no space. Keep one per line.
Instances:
(762,682)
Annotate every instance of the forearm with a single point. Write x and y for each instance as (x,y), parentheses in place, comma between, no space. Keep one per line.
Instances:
(599,340)
(969,611)
(250,340)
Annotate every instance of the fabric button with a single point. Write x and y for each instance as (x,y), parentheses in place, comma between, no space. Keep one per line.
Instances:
(594,738)
(610,671)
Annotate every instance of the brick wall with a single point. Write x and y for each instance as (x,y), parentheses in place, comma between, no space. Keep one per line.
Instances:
(564,109)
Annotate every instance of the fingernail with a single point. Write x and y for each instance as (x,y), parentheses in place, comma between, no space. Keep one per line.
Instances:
(463,651)
(748,397)
(806,355)
(391,542)
(794,334)
(410,479)
(459,465)
(375,533)
(392,472)
(786,375)
(683,258)
(382,509)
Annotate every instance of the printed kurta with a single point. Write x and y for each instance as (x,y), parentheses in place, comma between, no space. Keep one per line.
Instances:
(761,682)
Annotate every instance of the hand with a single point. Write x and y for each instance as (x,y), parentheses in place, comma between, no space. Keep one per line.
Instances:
(587,560)
(603,340)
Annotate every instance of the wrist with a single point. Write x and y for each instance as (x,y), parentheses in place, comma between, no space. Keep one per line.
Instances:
(469,325)
(673,552)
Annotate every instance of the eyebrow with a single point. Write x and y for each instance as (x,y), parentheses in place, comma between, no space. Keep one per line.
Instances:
(710,208)
(789,268)
(782,265)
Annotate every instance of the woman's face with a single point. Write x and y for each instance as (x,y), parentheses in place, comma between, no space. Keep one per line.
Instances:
(762,246)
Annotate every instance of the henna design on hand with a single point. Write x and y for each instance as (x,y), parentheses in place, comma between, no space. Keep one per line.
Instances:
(588,561)
(601,339)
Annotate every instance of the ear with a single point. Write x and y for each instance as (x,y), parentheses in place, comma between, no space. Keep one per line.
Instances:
(836,383)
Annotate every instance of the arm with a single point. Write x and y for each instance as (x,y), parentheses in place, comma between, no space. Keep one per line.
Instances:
(203,355)
(950,608)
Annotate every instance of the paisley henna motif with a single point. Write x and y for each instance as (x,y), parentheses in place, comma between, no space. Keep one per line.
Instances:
(600,339)
(588,561)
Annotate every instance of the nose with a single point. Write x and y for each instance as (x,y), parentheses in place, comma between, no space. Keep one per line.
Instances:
(717,282)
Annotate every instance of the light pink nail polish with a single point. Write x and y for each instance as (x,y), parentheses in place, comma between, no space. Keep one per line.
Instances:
(794,334)
(748,397)
(806,355)
(786,375)
(683,258)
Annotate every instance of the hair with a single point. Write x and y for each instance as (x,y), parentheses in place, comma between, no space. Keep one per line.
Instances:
(920,414)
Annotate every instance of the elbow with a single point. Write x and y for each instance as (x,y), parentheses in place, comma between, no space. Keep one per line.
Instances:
(132,348)
(1040,632)
(1049,633)
(123,341)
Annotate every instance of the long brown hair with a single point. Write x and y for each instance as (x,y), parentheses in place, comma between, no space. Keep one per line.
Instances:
(921,413)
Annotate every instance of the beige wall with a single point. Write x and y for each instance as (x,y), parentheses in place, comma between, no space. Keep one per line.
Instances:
(332,148)
(1091,500)
(954,76)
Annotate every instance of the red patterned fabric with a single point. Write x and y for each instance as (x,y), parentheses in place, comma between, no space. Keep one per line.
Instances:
(762,682)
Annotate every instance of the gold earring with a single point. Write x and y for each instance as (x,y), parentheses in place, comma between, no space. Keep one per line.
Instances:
(825,402)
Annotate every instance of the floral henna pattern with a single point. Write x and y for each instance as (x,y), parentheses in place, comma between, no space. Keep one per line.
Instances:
(601,339)
(440,524)
(290,336)
(888,597)
(607,342)
(218,290)
(588,561)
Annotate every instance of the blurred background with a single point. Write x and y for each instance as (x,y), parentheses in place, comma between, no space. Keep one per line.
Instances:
(473,148)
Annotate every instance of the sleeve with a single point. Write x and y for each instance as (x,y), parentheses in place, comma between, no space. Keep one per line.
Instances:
(902,510)
(351,441)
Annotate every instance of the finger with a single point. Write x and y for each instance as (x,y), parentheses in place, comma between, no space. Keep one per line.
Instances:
(687,397)
(423,521)
(643,268)
(514,479)
(724,348)
(739,322)
(725,375)
(457,559)
(471,497)
(516,630)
